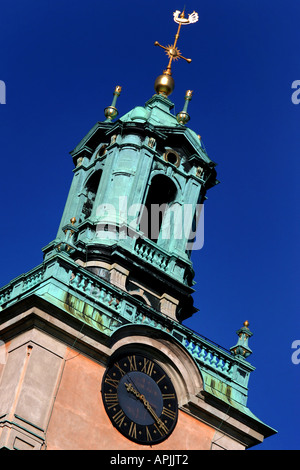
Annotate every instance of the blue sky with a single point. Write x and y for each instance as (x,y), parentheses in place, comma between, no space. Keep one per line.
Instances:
(60,61)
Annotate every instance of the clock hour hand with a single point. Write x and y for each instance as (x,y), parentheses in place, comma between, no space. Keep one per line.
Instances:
(147,405)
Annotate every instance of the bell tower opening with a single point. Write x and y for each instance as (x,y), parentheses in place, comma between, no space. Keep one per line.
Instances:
(162,192)
(90,192)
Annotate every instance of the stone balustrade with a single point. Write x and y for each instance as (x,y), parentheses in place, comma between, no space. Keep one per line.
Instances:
(96,290)
(153,255)
(210,356)
(20,285)
(125,309)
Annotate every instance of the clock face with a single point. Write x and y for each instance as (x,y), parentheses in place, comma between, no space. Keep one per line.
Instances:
(140,399)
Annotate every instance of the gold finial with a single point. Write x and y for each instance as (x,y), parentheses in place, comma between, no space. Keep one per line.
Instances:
(164,84)
(111,111)
(183,117)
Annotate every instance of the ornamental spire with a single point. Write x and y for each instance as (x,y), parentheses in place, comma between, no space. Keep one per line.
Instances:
(164,84)
(241,349)
(183,117)
(111,111)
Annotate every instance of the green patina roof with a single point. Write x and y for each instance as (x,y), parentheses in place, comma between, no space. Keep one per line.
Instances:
(157,112)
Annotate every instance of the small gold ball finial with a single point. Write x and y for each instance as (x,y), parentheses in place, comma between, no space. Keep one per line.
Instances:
(246,323)
(164,84)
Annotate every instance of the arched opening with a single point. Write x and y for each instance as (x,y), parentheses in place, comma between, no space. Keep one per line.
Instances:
(162,192)
(90,192)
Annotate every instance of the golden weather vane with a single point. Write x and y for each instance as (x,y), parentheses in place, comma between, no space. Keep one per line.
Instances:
(172,51)
(164,84)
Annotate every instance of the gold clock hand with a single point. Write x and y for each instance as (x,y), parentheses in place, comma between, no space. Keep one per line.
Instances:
(147,405)
(151,410)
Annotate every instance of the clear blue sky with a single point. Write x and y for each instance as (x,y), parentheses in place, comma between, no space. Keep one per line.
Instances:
(60,61)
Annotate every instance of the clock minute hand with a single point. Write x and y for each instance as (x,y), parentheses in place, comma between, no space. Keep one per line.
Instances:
(147,405)
(152,412)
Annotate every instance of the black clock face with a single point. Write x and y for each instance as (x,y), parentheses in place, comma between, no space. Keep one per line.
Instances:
(140,399)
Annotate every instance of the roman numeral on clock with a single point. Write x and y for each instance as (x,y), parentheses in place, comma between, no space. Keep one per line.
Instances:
(168,413)
(161,378)
(119,418)
(163,430)
(112,382)
(120,369)
(148,435)
(168,396)
(132,430)
(111,400)
(132,362)
(148,367)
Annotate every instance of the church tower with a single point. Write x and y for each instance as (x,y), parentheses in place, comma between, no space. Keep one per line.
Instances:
(95,354)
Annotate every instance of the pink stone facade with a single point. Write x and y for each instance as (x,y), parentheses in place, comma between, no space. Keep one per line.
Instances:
(50,388)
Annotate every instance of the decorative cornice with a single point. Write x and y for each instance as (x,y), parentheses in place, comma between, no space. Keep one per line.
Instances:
(104,307)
